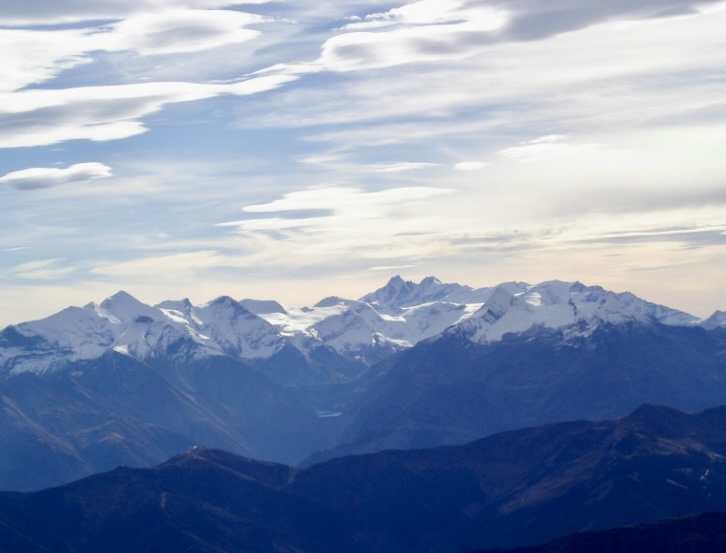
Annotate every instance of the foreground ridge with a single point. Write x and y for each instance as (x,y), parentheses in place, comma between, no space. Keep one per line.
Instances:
(701,533)
(653,464)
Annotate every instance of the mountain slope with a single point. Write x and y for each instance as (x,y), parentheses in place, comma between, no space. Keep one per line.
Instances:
(702,533)
(452,390)
(409,365)
(517,488)
(118,410)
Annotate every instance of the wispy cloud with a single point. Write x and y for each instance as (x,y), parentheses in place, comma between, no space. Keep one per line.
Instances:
(470,165)
(49,12)
(546,147)
(47,269)
(39,177)
(175,32)
(403,166)
(104,113)
(373,224)
(345,200)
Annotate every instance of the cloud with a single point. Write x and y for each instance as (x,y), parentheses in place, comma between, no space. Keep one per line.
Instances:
(46,269)
(539,19)
(103,113)
(48,12)
(600,77)
(470,166)
(32,179)
(547,147)
(366,50)
(37,117)
(435,12)
(176,31)
(402,167)
(374,224)
(148,268)
(390,268)
(32,56)
(439,30)
(347,199)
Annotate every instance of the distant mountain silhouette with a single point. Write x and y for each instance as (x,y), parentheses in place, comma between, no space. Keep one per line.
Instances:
(512,489)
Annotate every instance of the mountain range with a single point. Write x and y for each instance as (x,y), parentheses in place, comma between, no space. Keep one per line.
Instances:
(511,489)
(410,365)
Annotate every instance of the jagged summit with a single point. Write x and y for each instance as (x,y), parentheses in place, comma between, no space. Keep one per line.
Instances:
(398,293)
(183,305)
(394,294)
(122,306)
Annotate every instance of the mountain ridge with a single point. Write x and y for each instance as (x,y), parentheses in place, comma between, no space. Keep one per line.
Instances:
(576,475)
(394,317)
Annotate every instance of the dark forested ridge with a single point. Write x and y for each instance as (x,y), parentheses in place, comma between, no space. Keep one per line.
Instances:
(511,489)
(702,533)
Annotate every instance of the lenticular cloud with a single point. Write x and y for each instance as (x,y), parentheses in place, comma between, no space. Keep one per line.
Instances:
(40,177)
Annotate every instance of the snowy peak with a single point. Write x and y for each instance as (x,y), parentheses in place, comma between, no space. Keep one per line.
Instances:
(182,312)
(573,307)
(330,301)
(394,294)
(122,306)
(399,293)
(717,320)
(237,331)
(71,334)
(499,302)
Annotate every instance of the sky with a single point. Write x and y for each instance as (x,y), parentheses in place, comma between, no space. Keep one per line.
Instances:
(298,149)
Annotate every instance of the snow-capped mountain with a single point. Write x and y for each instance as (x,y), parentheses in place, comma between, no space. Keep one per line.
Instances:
(717,320)
(400,293)
(394,317)
(573,307)
(128,326)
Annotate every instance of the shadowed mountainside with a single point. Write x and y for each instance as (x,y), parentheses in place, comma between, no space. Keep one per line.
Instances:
(703,533)
(511,489)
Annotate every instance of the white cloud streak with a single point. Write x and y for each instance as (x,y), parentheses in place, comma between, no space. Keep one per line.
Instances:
(344,219)
(44,270)
(45,117)
(176,32)
(50,12)
(470,165)
(403,166)
(35,178)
